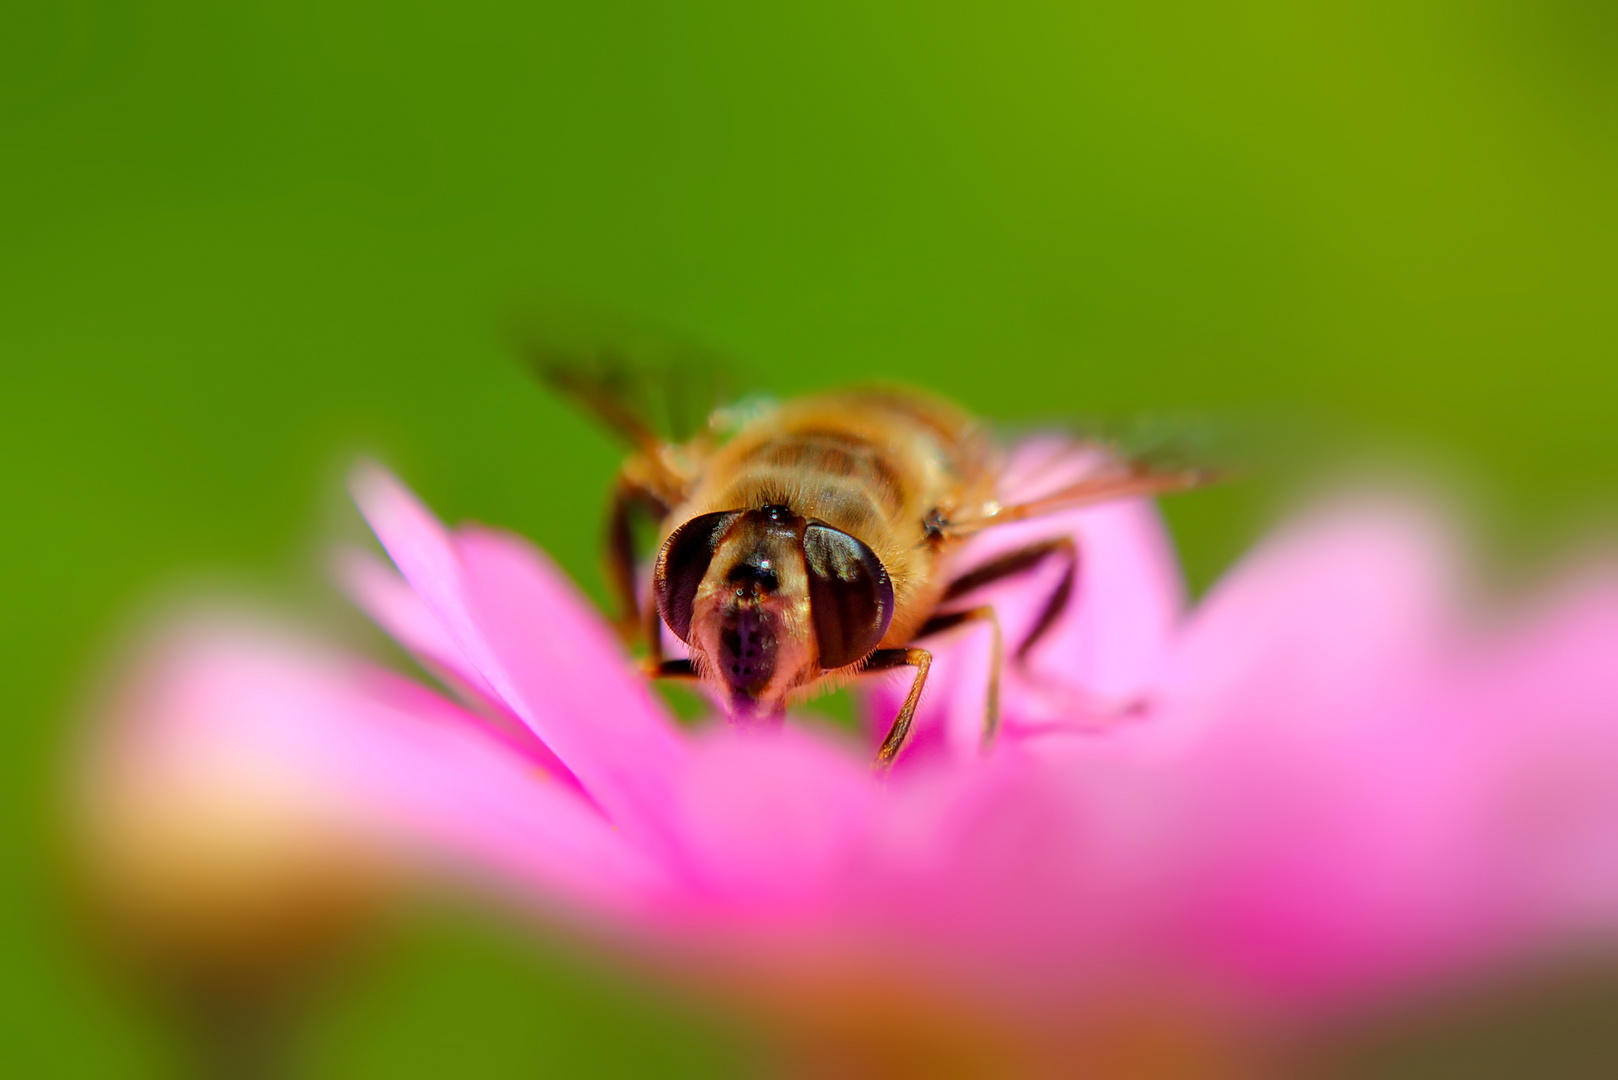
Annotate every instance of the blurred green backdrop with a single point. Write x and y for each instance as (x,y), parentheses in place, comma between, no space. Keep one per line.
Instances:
(244,242)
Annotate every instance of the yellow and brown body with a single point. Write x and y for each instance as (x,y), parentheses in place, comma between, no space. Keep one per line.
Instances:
(882,465)
(812,537)
(811,541)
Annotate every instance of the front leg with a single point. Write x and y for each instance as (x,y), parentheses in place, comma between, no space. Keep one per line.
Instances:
(632,621)
(899,733)
(672,669)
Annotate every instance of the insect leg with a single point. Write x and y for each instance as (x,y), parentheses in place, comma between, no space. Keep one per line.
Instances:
(886,660)
(627,497)
(948,621)
(674,669)
(1022,561)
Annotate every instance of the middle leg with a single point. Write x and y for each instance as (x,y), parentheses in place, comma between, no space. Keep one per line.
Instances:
(948,621)
(1025,560)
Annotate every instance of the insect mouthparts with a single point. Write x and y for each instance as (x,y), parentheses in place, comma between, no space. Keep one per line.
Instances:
(747,648)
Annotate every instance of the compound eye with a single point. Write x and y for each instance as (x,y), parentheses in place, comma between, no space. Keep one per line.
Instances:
(850,596)
(683,563)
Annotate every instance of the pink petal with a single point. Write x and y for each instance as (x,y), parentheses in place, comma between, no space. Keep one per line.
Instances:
(769,818)
(1542,735)
(378,590)
(342,745)
(1342,787)
(1328,799)
(537,645)
(1339,605)
(1313,825)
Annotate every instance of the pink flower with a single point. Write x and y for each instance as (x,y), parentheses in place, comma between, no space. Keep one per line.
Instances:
(1317,790)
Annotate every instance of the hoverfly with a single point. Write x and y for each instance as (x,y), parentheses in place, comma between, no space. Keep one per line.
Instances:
(805,543)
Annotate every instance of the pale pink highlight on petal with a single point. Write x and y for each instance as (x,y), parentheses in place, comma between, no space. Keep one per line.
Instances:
(539,647)
(381,593)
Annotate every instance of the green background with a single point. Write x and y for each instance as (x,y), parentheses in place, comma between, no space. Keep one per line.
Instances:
(243,242)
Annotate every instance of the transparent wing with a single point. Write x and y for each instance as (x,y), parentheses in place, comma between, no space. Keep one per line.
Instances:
(1073,463)
(1165,442)
(649,390)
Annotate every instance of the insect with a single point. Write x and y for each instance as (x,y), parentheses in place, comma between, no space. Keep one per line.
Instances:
(806,543)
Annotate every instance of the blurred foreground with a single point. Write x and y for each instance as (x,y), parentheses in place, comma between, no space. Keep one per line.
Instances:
(243,242)
(1207,842)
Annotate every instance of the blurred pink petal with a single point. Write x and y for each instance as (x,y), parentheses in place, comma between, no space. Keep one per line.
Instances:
(1538,706)
(1304,809)
(769,819)
(1327,790)
(357,749)
(1339,605)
